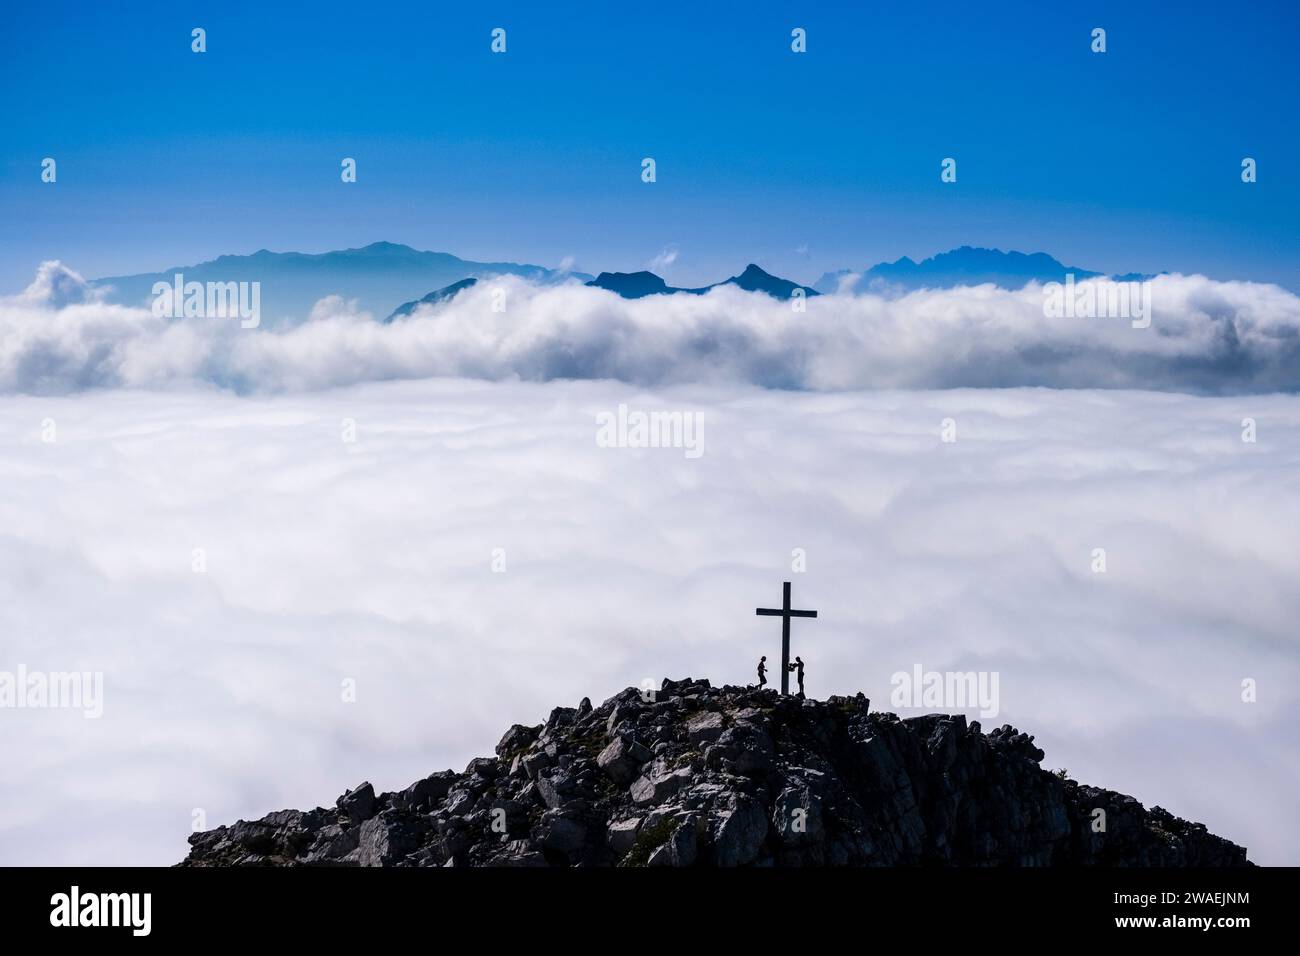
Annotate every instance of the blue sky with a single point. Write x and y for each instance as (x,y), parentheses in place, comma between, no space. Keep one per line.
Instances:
(1128,160)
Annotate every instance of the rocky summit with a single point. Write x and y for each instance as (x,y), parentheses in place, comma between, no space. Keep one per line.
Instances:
(693,775)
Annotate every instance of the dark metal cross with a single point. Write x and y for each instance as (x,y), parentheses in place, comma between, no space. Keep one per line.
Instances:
(785,614)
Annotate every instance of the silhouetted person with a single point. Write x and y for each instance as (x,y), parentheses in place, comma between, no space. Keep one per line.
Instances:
(762,671)
(798,666)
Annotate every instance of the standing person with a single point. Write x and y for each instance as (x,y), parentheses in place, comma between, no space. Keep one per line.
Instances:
(798,666)
(762,671)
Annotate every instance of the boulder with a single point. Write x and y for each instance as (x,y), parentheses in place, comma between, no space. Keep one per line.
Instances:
(517,853)
(422,794)
(739,832)
(622,760)
(562,833)
(485,767)
(386,839)
(516,739)
(658,784)
(555,788)
(535,762)
(622,835)
(358,803)
(333,843)
(704,728)
(680,848)
(797,817)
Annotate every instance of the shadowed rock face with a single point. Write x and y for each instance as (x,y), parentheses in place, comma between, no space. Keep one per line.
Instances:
(638,285)
(704,776)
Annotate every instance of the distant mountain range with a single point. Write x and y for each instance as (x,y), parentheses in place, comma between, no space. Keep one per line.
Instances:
(378,276)
(965,266)
(634,285)
(384,273)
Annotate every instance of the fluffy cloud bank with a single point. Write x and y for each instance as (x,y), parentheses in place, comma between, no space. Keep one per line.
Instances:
(1205,336)
(376,561)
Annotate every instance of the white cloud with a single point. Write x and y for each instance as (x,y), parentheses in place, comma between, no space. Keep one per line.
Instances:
(56,286)
(372,560)
(1206,336)
(663,260)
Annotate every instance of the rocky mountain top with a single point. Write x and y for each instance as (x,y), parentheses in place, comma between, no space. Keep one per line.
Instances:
(638,285)
(694,775)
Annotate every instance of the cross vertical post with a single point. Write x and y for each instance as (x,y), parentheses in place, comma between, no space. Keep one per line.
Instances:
(785,640)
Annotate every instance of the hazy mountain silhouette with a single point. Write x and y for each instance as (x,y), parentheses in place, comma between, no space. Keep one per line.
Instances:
(965,266)
(433,298)
(634,285)
(379,276)
(392,280)
(754,279)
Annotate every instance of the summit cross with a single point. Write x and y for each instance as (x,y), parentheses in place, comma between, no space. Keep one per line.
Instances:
(785,613)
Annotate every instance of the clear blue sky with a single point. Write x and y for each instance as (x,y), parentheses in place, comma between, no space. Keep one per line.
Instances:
(804,163)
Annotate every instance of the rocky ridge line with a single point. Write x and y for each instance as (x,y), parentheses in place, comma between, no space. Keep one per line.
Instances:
(730,776)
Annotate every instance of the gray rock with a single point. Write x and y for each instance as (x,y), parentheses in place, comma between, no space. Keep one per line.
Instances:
(256,836)
(622,760)
(797,817)
(333,843)
(424,793)
(622,835)
(562,834)
(681,847)
(518,853)
(560,718)
(486,768)
(460,801)
(704,728)
(535,762)
(555,788)
(739,832)
(658,784)
(516,739)
(358,803)
(385,839)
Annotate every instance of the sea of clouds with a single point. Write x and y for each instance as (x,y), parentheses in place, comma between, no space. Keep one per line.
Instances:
(1205,336)
(373,561)
(129,442)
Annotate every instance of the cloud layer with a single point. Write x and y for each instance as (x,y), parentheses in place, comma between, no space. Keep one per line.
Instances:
(372,561)
(1205,337)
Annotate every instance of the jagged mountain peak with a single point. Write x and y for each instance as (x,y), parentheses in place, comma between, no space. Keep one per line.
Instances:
(445,294)
(696,775)
(636,285)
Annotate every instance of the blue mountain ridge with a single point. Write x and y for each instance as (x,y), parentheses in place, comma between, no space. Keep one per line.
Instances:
(378,276)
(637,285)
(967,265)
